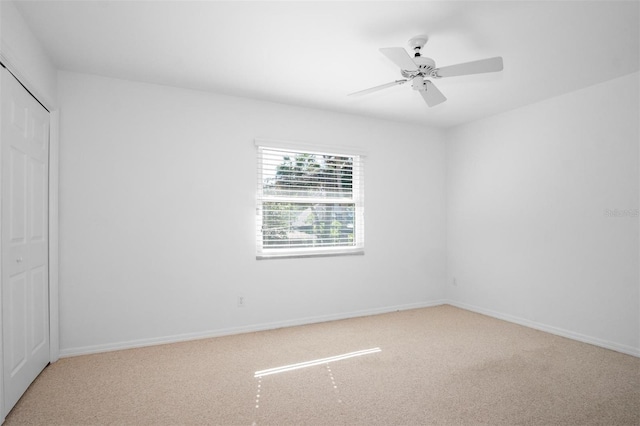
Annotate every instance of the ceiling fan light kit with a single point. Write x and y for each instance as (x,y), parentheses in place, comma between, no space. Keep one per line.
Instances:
(420,68)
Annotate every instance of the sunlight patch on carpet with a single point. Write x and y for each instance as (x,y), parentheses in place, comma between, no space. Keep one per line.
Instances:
(320,361)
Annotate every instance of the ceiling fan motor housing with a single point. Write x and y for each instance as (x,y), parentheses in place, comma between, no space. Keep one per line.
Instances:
(425,65)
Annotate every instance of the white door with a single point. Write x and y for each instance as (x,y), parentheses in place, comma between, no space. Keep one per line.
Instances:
(24,232)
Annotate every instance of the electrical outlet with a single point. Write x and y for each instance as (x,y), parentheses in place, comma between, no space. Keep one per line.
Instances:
(241,301)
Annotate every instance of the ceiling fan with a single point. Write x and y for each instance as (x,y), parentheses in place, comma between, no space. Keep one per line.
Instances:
(419,68)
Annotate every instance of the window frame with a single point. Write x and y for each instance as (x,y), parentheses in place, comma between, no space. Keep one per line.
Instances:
(357,199)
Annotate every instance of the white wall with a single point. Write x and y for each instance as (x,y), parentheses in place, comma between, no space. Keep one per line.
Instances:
(157,205)
(24,56)
(529,237)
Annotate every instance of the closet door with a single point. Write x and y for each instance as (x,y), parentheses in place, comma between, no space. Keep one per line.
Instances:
(24,232)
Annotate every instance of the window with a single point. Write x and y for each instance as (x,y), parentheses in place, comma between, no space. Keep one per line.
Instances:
(309,202)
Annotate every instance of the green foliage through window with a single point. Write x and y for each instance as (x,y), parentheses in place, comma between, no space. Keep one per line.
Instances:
(308,200)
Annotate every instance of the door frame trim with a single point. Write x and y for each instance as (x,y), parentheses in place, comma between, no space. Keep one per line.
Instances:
(54,132)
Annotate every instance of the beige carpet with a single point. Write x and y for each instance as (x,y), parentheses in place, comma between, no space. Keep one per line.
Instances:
(441,365)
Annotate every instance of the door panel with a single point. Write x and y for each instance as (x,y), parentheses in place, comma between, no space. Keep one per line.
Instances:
(39,308)
(24,233)
(38,201)
(17,324)
(18,194)
(18,114)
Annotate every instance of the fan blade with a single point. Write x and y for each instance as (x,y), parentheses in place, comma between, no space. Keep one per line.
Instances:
(400,57)
(375,89)
(432,96)
(474,67)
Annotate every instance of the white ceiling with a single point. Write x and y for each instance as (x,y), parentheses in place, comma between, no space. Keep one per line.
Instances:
(314,53)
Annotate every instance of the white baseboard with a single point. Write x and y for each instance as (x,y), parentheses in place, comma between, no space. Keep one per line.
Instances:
(108,347)
(85,350)
(629,350)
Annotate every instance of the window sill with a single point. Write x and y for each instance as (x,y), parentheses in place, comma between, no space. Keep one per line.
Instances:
(291,255)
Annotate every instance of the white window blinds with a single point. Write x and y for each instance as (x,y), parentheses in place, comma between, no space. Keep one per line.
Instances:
(309,203)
